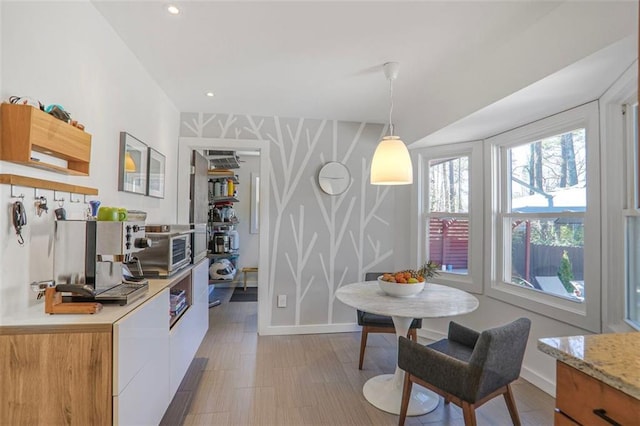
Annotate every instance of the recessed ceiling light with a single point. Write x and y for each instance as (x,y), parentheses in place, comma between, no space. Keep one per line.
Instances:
(173,10)
(209,94)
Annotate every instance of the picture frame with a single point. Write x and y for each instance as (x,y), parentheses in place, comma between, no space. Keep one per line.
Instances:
(132,174)
(156,173)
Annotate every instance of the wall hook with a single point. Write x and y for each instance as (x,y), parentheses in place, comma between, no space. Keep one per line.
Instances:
(72,200)
(57,197)
(14,195)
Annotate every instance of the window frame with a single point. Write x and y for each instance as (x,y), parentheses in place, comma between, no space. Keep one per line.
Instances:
(615,198)
(631,207)
(585,314)
(472,281)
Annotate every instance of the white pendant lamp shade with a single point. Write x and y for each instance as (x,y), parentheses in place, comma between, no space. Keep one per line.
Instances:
(391,164)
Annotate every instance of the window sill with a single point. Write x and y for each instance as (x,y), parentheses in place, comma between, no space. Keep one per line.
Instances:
(579,314)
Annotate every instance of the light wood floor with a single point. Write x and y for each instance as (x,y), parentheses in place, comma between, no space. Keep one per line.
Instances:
(313,379)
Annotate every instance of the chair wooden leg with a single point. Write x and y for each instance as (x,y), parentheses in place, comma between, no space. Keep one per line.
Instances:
(469,413)
(363,344)
(511,406)
(412,334)
(406,395)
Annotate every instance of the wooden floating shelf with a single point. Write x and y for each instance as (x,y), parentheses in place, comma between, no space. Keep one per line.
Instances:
(27,130)
(17,180)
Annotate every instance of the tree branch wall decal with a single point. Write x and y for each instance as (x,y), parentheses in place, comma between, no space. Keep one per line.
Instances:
(308,257)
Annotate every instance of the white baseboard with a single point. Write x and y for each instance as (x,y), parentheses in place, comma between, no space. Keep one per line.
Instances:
(309,329)
(537,380)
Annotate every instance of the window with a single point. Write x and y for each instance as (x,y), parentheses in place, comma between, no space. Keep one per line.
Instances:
(448,213)
(632,215)
(544,214)
(544,217)
(633,270)
(449,234)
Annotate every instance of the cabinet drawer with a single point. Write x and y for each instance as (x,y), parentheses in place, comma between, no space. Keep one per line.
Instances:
(138,338)
(579,394)
(146,397)
(560,419)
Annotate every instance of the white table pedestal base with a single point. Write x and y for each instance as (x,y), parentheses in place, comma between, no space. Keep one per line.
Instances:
(385,392)
(382,393)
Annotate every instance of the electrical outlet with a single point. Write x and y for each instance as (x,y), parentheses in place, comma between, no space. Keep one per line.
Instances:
(282,301)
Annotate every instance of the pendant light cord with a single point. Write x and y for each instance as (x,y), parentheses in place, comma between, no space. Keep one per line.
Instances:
(390,106)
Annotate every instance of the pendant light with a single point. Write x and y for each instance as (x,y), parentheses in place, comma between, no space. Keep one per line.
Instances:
(391,164)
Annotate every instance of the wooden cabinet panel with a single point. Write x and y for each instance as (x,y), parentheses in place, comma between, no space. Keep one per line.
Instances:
(579,394)
(56,379)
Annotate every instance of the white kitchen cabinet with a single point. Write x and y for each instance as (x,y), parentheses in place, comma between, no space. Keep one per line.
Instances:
(187,333)
(140,353)
(127,360)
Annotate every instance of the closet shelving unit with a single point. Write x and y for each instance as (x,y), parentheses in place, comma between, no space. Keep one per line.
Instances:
(219,175)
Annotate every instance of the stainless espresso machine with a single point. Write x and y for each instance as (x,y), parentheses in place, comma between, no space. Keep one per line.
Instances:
(95,253)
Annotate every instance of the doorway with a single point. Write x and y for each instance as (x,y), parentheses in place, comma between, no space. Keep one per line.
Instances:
(251,210)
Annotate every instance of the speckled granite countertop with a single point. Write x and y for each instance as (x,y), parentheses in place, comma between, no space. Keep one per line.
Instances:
(611,358)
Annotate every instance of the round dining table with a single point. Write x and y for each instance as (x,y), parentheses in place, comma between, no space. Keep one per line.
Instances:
(435,301)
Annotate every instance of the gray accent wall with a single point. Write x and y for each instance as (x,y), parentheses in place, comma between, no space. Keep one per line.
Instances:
(318,242)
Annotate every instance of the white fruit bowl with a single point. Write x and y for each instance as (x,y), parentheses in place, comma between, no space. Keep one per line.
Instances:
(400,290)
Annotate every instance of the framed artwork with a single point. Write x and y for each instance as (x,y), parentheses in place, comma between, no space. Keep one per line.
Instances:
(132,176)
(156,174)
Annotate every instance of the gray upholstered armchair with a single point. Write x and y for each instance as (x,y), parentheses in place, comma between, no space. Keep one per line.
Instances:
(468,368)
(373,323)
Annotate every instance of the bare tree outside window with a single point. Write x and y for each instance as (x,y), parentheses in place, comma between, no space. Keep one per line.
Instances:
(548,201)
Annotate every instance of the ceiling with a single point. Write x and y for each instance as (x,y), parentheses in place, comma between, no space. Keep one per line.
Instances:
(321,59)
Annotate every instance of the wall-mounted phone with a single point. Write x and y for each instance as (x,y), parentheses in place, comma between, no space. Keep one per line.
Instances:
(19,219)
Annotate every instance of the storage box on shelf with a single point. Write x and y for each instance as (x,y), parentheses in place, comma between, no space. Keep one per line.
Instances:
(180,297)
(27,131)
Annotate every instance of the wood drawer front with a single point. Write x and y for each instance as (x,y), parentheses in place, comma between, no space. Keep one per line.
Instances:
(578,394)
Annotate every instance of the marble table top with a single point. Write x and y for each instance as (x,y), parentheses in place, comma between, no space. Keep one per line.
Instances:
(612,358)
(433,302)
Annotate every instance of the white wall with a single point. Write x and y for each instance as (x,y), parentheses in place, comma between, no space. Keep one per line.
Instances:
(249,243)
(65,53)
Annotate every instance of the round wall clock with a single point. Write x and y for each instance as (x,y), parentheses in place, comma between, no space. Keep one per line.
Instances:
(334,178)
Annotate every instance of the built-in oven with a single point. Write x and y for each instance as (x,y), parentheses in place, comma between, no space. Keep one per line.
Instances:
(170,250)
